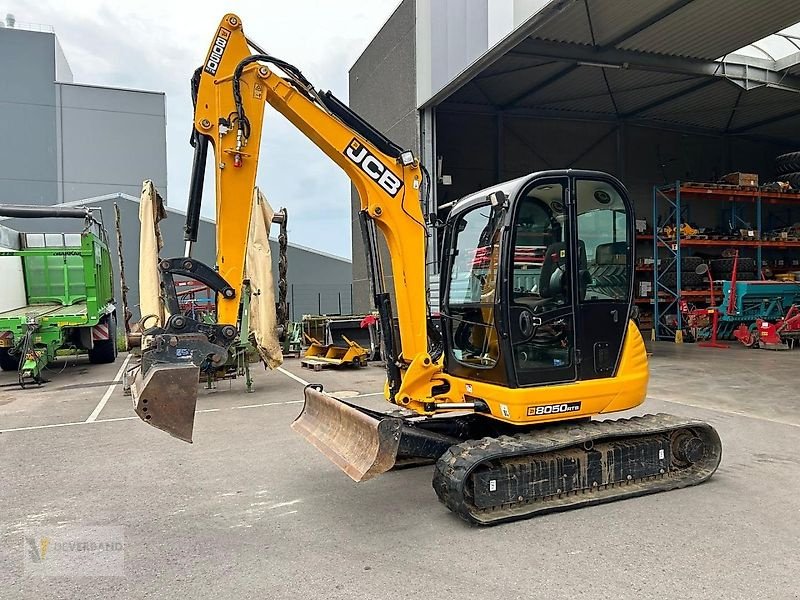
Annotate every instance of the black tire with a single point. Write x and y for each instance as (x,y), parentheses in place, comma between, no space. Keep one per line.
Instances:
(691,279)
(688,279)
(105,351)
(744,265)
(669,279)
(740,276)
(688,263)
(787,163)
(792,178)
(9,362)
(609,275)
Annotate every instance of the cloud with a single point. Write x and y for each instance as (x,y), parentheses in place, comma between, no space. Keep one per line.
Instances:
(156,46)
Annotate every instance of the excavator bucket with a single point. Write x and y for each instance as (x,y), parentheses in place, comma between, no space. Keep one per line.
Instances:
(166,397)
(359,443)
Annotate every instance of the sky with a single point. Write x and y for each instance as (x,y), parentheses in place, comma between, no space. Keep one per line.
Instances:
(145,44)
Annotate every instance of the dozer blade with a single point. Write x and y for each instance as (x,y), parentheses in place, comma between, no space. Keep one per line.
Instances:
(166,397)
(359,443)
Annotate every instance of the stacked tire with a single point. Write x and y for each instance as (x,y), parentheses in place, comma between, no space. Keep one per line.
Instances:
(787,168)
(689,277)
(722,268)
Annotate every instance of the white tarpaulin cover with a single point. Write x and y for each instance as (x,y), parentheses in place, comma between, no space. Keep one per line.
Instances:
(151,211)
(258,269)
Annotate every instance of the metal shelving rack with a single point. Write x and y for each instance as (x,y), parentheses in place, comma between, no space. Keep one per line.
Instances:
(674,197)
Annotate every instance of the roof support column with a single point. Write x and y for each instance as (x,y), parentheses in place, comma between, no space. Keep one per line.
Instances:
(499,159)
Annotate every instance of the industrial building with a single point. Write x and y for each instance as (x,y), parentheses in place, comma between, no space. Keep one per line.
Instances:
(71,140)
(488,91)
(78,144)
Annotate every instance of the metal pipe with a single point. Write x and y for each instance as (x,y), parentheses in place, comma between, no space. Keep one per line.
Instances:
(42,212)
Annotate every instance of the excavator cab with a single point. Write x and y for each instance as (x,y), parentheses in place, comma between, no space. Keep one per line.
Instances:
(537,275)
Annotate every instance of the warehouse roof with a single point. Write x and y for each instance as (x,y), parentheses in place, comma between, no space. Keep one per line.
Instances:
(663,62)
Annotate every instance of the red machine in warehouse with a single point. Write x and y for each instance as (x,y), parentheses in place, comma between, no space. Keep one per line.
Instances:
(780,335)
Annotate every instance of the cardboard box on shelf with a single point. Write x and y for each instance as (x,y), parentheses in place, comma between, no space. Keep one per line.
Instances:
(745,179)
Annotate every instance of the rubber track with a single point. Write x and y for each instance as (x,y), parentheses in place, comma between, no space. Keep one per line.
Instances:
(454,467)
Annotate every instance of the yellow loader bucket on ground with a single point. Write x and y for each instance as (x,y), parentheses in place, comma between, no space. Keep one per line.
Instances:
(166,398)
(360,444)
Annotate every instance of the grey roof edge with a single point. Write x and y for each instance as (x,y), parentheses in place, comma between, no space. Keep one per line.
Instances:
(110,87)
(122,196)
(549,11)
(496,52)
(377,33)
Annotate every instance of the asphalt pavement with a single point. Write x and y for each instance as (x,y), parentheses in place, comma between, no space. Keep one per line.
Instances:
(251,510)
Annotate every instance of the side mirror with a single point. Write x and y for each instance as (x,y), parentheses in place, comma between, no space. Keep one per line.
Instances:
(498,199)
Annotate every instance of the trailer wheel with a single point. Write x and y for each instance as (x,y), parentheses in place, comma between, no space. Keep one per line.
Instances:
(105,351)
(8,362)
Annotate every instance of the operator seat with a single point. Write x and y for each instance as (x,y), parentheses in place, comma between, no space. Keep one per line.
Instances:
(553,284)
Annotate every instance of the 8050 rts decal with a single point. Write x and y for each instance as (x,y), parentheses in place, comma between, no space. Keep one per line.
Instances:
(373,167)
(554,409)
(215,56)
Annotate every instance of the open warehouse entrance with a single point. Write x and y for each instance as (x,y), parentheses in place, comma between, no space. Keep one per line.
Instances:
(649,92)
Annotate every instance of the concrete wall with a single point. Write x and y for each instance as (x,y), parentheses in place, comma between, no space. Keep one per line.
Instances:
(316,280)
(452,34)
(64,141)
(111,141)
(28,152)
(383,91)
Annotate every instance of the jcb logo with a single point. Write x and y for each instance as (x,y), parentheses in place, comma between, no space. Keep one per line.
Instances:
(377,171)
(217,50)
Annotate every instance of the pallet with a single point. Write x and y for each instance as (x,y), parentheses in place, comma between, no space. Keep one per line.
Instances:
(316,364)
(719,186)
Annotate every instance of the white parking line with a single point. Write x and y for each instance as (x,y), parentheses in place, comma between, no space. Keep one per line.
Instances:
(109,391)
(267,404)
(291,375)
(114,419)
(737,413)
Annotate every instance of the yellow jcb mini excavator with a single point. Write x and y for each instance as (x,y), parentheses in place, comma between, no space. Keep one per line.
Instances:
(536,293)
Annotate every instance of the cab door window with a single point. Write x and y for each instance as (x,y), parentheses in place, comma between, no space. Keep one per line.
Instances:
(541,310)
(472,287)
(603,229)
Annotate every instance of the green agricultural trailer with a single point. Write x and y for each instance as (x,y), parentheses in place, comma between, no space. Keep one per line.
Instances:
(68,297)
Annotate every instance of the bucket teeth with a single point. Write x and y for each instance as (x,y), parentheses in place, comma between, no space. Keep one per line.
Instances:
(359,444)
(166,397)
